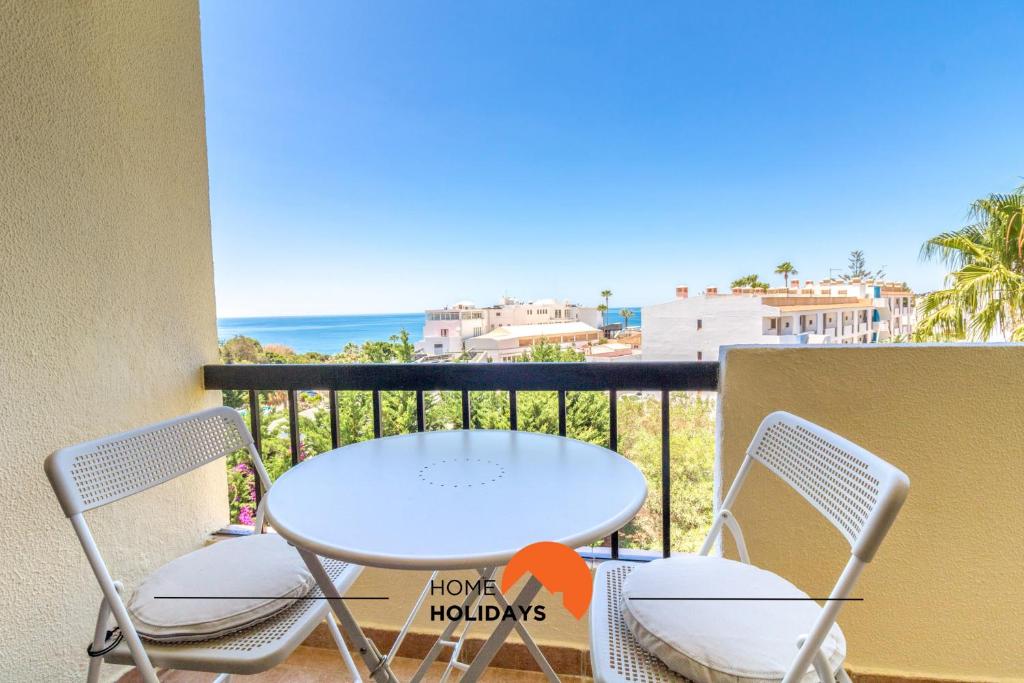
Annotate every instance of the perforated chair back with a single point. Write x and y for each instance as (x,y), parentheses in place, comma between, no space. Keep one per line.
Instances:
(855,490)
(92,474)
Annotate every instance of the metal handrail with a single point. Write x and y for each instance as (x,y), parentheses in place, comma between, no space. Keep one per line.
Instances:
(660,376)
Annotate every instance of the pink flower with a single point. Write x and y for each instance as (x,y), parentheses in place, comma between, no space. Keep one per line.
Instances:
(245,515)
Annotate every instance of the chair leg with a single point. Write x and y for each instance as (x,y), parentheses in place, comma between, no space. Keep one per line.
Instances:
(821,665)
(339,641)
(99,636)
(98,640)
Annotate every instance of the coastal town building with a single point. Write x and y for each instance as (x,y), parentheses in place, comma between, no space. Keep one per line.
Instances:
(507,329)
(826,312)
(511,341)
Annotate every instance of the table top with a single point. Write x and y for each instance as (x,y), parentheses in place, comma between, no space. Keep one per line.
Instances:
(453,499)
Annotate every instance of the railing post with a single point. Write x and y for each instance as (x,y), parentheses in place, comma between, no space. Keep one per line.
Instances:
(421,413)
(293,425)
(561,413)
(465,409)
(332,398)
(513,410)
(666,478)
(257,439)
(613,444)
(377,427)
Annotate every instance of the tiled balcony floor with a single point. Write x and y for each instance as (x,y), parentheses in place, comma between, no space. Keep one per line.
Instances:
(322,665)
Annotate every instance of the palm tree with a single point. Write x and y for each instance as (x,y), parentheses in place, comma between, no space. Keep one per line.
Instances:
(785,269)
(752,280)
(606,294)
(603,309)
(626,315)
(984,293)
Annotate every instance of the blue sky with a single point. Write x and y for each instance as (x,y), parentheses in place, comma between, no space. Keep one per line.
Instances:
(378,157)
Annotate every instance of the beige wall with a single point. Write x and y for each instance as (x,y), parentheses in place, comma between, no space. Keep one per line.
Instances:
(106,297)
(944,596)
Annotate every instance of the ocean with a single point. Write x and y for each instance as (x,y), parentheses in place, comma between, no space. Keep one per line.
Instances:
(330,333)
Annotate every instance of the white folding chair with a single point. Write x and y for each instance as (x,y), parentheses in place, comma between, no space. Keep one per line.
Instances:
(859,493)
(95,473)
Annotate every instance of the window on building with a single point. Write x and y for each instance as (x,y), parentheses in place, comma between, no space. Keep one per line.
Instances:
(438,349)
(558,313)
(700,324)
(444,332)
(773,324)
(700,356)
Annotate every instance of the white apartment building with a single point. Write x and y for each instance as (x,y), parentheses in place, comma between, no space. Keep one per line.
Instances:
(826,312)
(449,330)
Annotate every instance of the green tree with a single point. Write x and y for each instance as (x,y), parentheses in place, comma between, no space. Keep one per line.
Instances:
(547,352)
(752,280)
(984,290)
(785,269)
(603,310)
(241,349)
(606,294)
(857,268)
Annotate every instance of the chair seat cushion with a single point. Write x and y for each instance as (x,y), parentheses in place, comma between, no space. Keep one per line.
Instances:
(714,641)
(262,572)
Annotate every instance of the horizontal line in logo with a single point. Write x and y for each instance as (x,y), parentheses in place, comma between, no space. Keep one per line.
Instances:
(764,599)
(264,597)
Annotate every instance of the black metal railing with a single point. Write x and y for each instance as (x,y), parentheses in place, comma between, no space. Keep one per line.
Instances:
(654,376)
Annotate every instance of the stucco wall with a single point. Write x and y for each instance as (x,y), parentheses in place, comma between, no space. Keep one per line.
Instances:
(106,297)
(943,597)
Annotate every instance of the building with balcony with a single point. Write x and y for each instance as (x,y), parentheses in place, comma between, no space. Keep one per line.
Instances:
(825,312)
(109,323)
(447,331)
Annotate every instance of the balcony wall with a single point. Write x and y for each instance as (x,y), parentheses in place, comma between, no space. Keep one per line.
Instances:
(106,297)
(943,597)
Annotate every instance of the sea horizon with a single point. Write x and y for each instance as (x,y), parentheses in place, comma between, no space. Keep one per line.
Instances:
(329,334)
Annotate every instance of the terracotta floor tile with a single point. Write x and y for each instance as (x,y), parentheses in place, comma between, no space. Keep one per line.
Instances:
(321,665)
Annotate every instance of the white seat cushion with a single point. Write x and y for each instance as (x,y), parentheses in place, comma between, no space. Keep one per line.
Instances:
(714,641)
(263,571)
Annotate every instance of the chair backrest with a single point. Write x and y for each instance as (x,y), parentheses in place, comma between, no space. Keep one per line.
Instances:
(858,492)
(92,474)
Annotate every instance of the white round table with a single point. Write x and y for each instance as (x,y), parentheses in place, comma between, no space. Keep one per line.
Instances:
(451,500)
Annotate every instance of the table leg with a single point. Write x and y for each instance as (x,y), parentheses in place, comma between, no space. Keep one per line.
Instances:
(500,634)
(374,660)
(528,641)
(446,635)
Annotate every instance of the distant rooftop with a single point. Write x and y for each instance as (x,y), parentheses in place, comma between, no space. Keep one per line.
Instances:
(538,330)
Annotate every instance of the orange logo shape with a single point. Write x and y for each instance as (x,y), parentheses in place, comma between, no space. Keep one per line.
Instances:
(559,568)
